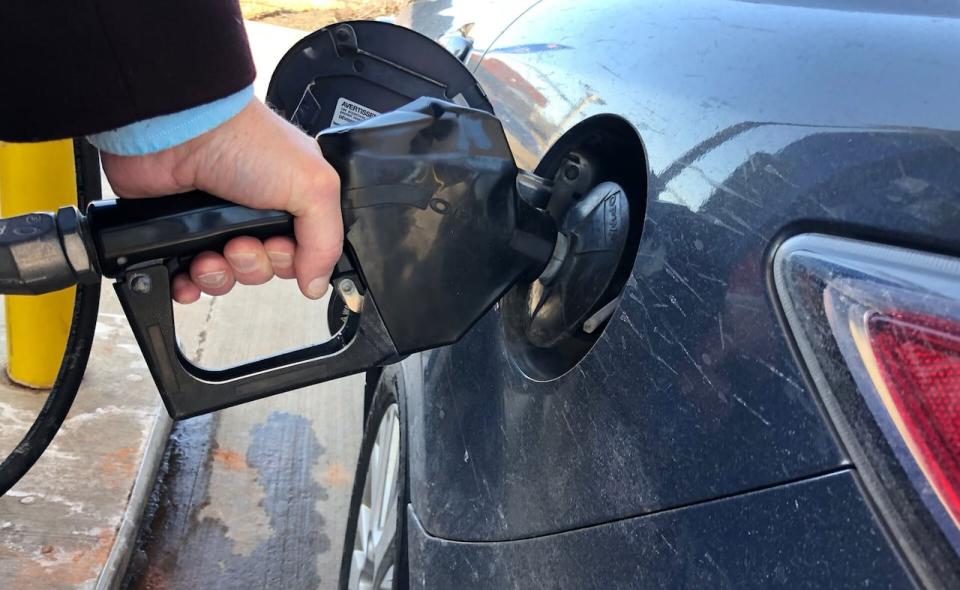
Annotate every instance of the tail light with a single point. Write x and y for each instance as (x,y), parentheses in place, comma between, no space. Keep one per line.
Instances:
(914,364)
(878,328)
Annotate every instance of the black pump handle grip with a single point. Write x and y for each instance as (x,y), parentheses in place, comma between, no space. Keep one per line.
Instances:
(188,389)
(128,232)
(142,243)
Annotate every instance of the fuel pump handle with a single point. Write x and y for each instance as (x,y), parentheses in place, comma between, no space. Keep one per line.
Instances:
(437,224)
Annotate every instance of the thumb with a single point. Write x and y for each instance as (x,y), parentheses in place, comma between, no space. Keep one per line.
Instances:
(318,229)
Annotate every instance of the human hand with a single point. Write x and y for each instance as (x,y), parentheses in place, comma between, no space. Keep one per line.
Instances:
(259,160)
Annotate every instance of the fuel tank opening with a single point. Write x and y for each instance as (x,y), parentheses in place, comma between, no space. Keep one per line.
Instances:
(598,201)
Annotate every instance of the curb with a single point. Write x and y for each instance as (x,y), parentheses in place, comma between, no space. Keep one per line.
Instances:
(115,567)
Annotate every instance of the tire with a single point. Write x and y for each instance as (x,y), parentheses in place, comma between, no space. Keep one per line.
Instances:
(371,560)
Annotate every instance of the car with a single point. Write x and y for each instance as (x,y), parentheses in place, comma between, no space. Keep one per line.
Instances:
(766,394)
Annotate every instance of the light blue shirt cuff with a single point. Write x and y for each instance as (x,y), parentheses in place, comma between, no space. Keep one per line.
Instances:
(166,131)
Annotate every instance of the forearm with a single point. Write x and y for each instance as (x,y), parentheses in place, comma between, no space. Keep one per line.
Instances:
(76,67)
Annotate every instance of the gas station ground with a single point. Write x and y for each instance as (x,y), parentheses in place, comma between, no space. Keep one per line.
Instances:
(310,15)
(249,497)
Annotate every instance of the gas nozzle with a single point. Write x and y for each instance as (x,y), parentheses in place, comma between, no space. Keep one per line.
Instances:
(437,223)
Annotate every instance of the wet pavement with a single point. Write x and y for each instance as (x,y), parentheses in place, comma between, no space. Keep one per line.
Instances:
(255,496)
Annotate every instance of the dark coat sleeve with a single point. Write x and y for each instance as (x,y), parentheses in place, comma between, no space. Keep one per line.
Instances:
(74,67)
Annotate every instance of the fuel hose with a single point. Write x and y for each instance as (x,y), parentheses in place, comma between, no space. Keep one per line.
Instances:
(76,353)
(54,411)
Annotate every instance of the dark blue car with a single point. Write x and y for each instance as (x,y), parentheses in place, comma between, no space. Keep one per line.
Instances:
(769,394)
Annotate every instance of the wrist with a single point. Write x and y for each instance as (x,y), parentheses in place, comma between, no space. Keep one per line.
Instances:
(167,131)
(204,161)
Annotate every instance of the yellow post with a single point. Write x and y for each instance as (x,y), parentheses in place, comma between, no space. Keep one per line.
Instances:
(37,177)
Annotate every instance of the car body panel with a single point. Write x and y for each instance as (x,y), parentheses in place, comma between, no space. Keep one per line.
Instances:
(759,120)
(764,539)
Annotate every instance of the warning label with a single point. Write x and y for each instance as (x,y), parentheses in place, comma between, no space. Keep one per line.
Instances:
(348,112)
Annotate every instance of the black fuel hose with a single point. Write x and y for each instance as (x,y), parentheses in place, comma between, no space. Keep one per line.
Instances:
(54,411)
(79,342)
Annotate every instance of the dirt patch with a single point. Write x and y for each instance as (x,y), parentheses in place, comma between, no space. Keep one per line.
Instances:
(310,15)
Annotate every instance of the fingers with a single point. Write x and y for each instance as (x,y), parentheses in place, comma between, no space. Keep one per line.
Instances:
(248,260)
(211,273)
(245,260)
(319,231)
(259,160)
(184,290)
(280,251)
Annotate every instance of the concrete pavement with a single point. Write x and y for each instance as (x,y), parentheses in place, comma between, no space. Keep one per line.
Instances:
(71,521)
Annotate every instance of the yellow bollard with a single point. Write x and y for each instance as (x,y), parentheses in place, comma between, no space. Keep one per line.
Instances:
(37,177)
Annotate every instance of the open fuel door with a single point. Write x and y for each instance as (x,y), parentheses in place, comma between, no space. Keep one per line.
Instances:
(354,70)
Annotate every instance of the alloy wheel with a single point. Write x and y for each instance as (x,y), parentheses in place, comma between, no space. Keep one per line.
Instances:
(374,548)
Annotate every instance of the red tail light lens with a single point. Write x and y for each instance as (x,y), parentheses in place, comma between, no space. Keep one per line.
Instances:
(916,370)
(878,328)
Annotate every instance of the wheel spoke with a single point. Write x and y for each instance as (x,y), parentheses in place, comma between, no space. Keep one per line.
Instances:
(384,569)
(385,540)
(390,480)
(376,493)
(356,569)
(363,528)
(387,582)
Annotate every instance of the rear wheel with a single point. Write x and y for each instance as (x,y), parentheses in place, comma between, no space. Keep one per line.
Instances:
(375,548)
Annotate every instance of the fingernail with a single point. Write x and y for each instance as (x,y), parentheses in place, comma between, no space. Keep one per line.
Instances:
(318,287)
(212,280)
(244,262)
(280,259)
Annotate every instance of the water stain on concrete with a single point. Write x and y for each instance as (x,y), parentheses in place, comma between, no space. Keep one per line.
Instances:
(225,520)
(236,499)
